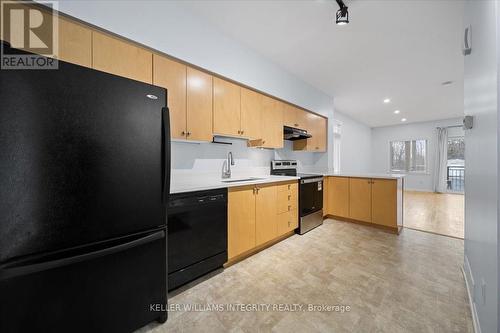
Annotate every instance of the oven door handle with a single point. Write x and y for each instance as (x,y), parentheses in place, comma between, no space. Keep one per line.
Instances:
(311,180)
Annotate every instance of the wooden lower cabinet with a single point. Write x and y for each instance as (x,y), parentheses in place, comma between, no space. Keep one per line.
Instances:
(360,199)
(374,200)
(254,218)
(266,218)
(384,202)
(287,222)
(241,220)
(337,202)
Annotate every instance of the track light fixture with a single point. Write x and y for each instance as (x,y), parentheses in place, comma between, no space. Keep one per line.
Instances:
(342,16)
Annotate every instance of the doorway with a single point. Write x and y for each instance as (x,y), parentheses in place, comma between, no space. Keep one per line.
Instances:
(455,175)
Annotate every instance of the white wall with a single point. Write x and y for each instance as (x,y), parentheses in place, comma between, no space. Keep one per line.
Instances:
(381,136)
(481,161)
(355,150)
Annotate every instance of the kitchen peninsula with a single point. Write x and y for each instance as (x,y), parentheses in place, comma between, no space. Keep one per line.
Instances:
(369,199)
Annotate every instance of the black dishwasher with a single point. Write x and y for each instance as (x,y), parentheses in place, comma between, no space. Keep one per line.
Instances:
(197,234)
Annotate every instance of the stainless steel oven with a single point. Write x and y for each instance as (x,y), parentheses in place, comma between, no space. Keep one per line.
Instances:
(310,202)
(310,194)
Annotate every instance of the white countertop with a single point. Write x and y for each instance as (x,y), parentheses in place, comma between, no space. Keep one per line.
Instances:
(201,182)
(362,175)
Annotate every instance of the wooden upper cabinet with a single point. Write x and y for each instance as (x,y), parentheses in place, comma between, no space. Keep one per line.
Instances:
(360,199)
(75,43)
(251,113)
(199,105)
(227,106)
(384,202)
(337,196)
(241,220)
(272,123)
(115,56)
(266,221)
(321,132)
(294,117)
(316,126)
(172,76)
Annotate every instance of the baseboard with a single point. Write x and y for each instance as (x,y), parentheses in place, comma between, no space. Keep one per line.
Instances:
(467,272)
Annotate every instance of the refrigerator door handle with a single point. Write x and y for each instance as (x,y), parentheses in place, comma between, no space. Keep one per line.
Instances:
(13,269)
(166,152)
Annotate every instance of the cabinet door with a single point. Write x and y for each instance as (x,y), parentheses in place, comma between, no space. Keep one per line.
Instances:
(320,134)
(272,123)
(117,57)
(302,119)
(287,222)
(266,216)
(384,202)
(199,105)
(75,43)
(338,196)
(360,199)
(251,110)
(172,75)
(227,108)
(241,220)
(290,116)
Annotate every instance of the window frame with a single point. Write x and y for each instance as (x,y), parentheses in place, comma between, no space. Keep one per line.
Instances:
(423,172)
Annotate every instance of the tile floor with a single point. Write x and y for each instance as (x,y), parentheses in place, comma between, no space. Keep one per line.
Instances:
(407,283)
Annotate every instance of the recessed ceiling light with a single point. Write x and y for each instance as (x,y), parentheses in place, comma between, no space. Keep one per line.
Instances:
(387,100)
(403,120)
(447,83)
(397,111)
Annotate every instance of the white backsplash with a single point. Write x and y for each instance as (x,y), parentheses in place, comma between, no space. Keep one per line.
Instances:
(207,158)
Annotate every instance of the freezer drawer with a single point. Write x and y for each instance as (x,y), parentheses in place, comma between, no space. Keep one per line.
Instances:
(117,286)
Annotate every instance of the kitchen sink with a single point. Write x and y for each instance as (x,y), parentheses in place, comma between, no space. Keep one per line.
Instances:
(235,180)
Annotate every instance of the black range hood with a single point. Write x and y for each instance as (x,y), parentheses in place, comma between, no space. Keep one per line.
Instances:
(292,134)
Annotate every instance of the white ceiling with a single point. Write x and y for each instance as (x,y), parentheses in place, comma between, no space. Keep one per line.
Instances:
(400,49)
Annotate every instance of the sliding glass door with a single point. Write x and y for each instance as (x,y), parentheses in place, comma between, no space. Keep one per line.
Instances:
(455,176)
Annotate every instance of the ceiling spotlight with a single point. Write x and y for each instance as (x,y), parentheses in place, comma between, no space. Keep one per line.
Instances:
(397,111)
(342,16)
(403,120)
(387,100)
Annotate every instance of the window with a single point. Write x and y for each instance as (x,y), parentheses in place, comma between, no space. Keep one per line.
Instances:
(408,156)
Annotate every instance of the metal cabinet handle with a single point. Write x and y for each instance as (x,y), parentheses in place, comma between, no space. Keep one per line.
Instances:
(183,133)
(289,186)
(289,207)
(296,125)
(242,132)
(289,197)
(188,133)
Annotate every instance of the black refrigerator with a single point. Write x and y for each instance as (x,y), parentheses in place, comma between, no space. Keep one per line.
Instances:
(84,179)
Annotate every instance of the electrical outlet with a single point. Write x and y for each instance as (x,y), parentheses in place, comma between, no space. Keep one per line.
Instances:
(483,291)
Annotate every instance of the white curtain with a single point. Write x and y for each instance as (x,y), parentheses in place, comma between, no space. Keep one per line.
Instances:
(440,171)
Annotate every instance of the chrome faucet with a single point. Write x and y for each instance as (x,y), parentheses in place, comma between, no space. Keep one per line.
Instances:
(226,166)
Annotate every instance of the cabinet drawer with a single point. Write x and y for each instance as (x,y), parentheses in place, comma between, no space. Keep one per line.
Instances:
(287,201)
(293,187)
(287,222)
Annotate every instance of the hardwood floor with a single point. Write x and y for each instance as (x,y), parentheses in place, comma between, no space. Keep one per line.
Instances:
(434,212)
(407,283)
